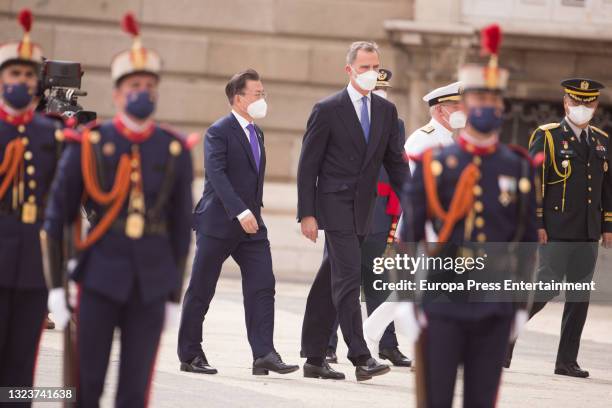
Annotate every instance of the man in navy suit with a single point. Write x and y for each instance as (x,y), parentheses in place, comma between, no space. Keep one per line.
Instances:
(349,136)
(228,222)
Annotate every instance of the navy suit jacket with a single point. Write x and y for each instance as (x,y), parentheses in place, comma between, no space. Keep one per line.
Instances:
(338,170)
(232,183)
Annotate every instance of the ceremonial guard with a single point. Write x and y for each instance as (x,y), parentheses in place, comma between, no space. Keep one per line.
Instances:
(382,233)
(30,145)
(576,210)
(446,117)
(476,190)
(133,179)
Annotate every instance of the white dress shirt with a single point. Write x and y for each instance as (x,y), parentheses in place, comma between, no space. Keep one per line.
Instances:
(577,131)
(357,99)
(244,123)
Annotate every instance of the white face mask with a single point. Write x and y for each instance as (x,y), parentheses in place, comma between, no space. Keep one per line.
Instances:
(258,109)
(380,92)
(367,80)
(580,114)
(457,120)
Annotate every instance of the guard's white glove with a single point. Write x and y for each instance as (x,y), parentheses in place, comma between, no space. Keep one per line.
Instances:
(520,320)
(173,315)
(407,323)
(56,304)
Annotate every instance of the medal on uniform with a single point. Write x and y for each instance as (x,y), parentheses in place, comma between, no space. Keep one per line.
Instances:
(28,213)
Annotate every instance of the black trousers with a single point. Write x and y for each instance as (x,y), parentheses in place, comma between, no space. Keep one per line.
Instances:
(479,346)
(574,262)
(388,339)
(255,261)
(22,315)
(141,326)
(335,292)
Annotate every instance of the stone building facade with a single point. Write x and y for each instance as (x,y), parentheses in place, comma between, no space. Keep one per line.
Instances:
(299,46)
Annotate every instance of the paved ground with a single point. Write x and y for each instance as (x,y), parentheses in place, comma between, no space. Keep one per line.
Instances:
(529,382)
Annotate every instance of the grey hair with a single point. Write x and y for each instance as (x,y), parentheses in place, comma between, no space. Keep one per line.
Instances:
(368,46)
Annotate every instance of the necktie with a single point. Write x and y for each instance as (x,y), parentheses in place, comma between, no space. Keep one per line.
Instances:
(365,118)
(584,139)
(254,143)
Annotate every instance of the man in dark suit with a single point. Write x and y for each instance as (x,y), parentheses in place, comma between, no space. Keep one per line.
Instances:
(228,222)
(349,136)
(384,223)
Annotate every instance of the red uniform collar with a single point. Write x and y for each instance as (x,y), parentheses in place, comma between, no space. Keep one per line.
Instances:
(471,148)
(16,120)
(130,134)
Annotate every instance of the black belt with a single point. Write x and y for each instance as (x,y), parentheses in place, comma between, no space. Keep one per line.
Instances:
(158,228)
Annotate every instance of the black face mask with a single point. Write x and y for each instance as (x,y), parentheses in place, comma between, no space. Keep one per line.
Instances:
(18,96)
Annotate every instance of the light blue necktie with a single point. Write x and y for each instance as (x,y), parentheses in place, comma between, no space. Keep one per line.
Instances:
(365,118)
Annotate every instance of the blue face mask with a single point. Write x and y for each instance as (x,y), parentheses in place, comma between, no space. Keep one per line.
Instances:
(486,119)
(17,96)
(140,104)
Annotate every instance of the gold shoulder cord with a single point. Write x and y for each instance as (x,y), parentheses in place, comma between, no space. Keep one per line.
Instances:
(567,169)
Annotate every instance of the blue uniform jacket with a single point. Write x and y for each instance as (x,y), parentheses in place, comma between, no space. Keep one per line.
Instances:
(495,206)
(20,254)
(114,264)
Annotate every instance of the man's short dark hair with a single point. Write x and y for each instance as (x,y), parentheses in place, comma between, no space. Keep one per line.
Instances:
(237,83)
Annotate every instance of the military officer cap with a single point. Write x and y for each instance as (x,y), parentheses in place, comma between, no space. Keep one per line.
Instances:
(384,76)
(581,89)
(451,92)
(490,77)
(24,51)
(136,60)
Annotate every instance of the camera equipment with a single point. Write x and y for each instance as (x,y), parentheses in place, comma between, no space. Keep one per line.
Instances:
(62,80)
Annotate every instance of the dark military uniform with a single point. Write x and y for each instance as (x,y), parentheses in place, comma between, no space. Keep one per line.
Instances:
(23,293)
(458,332)
(576,209)
(129,273)
(30,144)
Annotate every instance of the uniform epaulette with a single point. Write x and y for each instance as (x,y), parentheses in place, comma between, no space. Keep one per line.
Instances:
(549,126)
(427,129)
(72,135)
(520,150)
(188,141)
(598,130)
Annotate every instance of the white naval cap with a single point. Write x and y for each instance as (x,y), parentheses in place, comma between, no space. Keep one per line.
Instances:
(451,92)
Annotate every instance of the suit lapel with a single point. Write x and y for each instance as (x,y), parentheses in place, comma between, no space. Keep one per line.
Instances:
(349,117)
(242,139)
(376,128)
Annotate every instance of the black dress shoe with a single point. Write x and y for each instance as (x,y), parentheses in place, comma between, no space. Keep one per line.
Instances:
(395,357)
(571,370)
(371,369)
(272,362)
(198,365)
(325,372)
(331,357)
